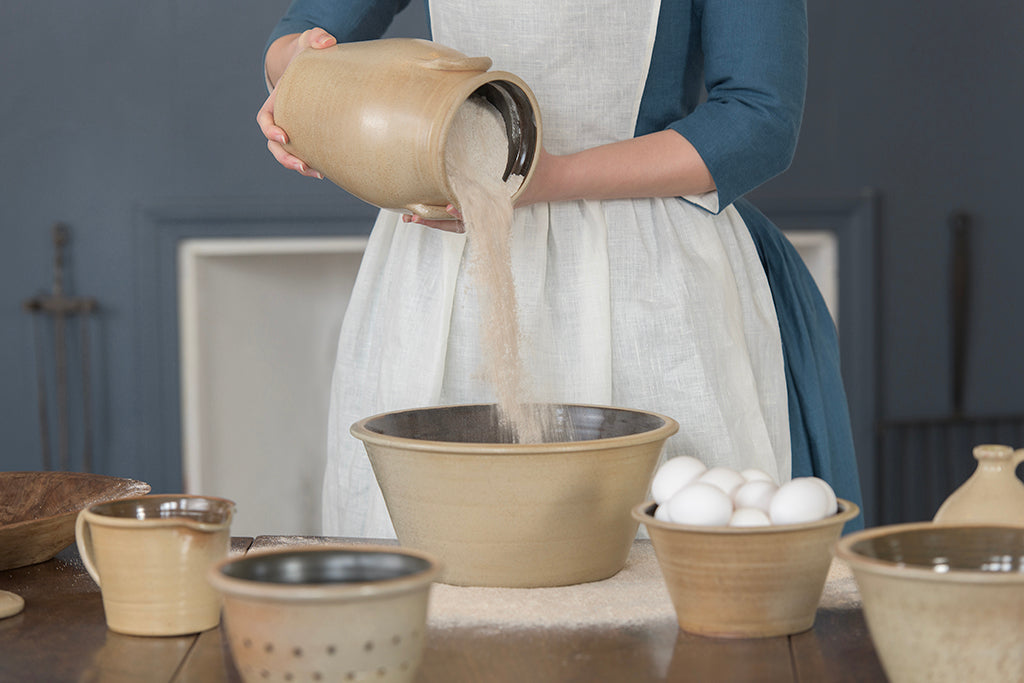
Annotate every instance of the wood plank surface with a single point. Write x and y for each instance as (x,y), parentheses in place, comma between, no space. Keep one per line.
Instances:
(62,635)
(837,649)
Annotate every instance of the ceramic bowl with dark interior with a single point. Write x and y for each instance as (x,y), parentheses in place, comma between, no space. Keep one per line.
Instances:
(942,602)
(326,612)
(501,513)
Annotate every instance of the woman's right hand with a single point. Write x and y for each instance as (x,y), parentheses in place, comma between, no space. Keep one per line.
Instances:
(280,54)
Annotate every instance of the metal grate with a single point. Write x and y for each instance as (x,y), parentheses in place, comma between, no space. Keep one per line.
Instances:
(921,462)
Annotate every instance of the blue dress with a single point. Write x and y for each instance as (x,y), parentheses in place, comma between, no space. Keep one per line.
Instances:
(750,59)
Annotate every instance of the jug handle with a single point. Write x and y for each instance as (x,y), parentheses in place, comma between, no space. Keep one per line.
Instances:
(83,539)
(1018,456)
(458,63)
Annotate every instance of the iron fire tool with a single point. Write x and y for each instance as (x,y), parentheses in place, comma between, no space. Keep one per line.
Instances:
(60,307)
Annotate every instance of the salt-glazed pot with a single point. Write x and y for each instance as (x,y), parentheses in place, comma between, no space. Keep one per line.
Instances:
(992,495)
(328,612)
(516,515)
(943,602)
(150,554)
(745,582)
(374,116)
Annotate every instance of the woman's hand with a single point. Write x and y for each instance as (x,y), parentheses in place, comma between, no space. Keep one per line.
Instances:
(281,53)
(454,224)
(535,192)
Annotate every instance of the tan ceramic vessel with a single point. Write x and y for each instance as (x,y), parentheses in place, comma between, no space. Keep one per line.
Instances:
(38,510)
(372,629)
(150,556)
(745,582)
(992,495)
(374,116)
(943,603)
(515,515)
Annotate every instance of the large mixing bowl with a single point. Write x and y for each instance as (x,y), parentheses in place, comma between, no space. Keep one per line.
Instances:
(516,515)
(942,603)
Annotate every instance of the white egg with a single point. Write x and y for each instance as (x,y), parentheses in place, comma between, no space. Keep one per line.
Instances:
(724,478)
(755,494)
(833,503)
(673,475)
(700,504)
(797,501)
(661,513)
(757,475)
(749,517)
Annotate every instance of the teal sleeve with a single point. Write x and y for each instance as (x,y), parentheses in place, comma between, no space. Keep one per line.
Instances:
(346,20)
(755,75)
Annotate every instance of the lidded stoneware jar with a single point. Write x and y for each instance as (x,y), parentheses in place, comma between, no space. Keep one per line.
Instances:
(993,494)
(374,116)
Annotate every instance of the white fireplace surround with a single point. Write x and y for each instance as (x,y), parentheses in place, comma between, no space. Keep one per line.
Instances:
(259,321)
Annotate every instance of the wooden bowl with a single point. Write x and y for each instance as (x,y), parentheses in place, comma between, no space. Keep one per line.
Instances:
(38,510)
(942,602)
(518,515)
(745,582)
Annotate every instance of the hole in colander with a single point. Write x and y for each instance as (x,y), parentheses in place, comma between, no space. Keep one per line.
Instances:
(268,648)
(382,672)
(297,652)
(396,639)
(331,649)
(368,646)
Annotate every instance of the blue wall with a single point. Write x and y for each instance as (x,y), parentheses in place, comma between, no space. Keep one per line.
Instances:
(124,119)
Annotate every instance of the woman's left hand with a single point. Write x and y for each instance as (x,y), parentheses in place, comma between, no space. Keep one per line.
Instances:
(536,191)
(453,224)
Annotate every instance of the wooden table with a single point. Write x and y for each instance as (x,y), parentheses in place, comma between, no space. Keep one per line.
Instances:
(61,636)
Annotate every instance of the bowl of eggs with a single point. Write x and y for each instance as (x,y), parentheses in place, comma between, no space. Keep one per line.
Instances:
(519,515)
(942,602)
(742,556)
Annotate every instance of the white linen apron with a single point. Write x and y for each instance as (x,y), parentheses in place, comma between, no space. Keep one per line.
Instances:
(651,304)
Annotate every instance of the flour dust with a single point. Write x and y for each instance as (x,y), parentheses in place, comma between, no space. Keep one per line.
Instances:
(475,157)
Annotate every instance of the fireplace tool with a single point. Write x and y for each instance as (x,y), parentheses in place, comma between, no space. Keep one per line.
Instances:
(60,308)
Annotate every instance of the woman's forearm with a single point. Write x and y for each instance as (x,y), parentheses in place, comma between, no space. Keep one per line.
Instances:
(662,164)
(279,55)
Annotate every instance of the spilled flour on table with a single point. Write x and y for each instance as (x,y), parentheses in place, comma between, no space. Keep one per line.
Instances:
(475,158)
(634,597)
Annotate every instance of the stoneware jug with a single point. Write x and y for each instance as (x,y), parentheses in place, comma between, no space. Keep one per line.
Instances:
(993,494)
(374,116)
(150,556)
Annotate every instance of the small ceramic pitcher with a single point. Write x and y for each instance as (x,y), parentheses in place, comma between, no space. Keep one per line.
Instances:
(993,494)
(374,117)
(150,556)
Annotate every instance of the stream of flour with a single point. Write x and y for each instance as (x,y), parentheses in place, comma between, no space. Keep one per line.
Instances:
(475,157)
